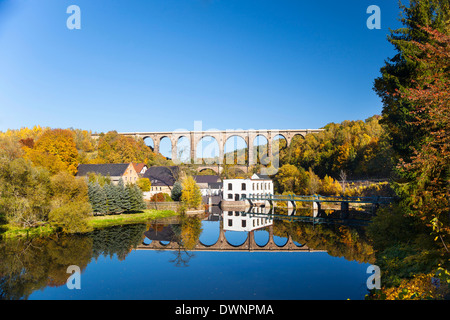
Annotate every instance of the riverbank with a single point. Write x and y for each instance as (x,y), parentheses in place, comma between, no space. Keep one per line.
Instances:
(99,222)
(95,222)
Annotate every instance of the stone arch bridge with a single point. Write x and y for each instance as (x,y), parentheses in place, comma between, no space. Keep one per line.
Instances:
(221,136)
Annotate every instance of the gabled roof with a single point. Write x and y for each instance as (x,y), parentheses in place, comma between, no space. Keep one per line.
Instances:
(139,166)
(111,169)
(215,185)
(260,176)
(162,176)
(207,179)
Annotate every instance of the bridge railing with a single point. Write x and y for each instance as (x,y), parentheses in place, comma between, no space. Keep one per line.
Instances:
(320,198)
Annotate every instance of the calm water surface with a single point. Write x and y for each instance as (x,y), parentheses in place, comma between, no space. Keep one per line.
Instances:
(228,255)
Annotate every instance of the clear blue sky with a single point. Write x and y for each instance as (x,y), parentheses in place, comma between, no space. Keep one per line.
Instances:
(160,65)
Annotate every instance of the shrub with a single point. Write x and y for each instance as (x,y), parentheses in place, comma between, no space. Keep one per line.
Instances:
(24,193)
(158,197)
(71,217)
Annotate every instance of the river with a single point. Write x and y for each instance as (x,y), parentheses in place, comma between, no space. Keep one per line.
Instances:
(218,256)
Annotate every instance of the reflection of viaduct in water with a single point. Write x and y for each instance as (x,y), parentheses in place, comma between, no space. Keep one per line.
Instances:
(222,244)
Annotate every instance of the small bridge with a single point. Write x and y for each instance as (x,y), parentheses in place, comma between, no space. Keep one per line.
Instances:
(317,200)
(314,219)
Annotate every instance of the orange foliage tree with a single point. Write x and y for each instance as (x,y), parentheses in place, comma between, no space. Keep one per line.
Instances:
(55,150)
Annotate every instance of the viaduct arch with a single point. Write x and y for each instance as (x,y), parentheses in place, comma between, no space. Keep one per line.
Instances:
(221,136)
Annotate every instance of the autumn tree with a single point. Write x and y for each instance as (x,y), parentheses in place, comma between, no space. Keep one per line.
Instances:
(330,186)
(399,72)
(314,182)
(289,178)
(55,150)
(10,148)
(116,148)
(425,175)
(144,184)
(71,217)
(191,194)
(24,193)
(361,148)
(70,205)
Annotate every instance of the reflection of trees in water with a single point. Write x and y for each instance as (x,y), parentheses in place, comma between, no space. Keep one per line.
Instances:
(119,240)
(187,234)
(338,240)
(27,265)
(182,257)
(31,264)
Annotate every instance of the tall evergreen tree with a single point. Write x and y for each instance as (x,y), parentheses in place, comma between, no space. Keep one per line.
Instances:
(136,198)
(112,194)
(97,198)
(140,203)
(176,191)
(124,197)
(400,71)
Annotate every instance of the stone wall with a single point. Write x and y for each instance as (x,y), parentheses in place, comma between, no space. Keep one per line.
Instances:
(173,205)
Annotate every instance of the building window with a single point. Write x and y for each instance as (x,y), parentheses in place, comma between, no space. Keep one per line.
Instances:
(230,186)
(230,196)
(244,223)
(230,222)
(243,187)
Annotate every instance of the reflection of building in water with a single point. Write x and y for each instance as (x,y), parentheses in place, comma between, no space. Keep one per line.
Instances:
(161,233)
(239,221)
(260,186)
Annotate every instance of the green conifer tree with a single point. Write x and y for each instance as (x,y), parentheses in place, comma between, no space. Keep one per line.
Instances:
(124,197)
(97,198)
(113,197)
(136,198)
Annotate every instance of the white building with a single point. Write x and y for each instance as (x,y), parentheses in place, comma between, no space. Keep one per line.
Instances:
(257,186)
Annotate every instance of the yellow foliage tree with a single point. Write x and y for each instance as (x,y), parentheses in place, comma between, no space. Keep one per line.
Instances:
(330,186)
(55,150)
(191,194)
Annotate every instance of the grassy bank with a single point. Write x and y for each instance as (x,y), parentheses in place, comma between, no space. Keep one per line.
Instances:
(121,219)
(97,222)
